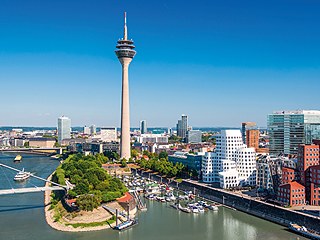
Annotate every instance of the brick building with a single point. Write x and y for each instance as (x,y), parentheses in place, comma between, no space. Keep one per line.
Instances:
(252,138)
(289,175)
(292,194)
(314,195)
(308,155)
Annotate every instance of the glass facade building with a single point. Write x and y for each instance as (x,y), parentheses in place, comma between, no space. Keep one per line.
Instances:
(289,129)
(143,127)
(64,128)
(182,127)
(189,160)
(194,136)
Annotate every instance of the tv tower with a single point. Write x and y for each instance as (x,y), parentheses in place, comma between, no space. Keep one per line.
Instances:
(125,53)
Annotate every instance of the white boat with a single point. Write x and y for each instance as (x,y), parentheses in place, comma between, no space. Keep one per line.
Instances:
(22,175)
(201,209)
(194,209)
(126,225)
(184,209)
(304,231)
(213,208)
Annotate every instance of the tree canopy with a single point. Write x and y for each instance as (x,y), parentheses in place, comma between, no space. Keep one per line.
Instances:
(90,179)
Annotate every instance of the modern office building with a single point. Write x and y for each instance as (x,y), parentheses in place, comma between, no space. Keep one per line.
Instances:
(191,161)
(194,136)
(143,127)
(264,176)
(182,127)
(288,129)
(125,53)
(152,138)
(64,128)
(232,163)
(108,134)
(86,130)
(245,126)
(93,130)
(245,159)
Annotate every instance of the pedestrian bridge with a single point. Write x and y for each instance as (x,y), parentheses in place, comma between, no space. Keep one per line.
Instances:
(54,186)
(29,190)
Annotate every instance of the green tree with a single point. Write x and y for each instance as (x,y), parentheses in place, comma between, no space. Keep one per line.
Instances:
(134,153)
(123,162)
(163,154)
(88,202)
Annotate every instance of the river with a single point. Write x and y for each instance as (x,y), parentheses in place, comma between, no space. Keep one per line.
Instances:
(22,216)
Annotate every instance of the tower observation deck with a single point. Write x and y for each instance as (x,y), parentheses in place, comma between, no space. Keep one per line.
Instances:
(125,47)
(125,53)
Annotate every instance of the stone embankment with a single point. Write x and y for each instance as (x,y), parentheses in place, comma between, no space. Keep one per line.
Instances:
(97,214)
(245,204)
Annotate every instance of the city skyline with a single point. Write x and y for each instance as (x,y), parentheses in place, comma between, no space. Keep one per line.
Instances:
(230,64)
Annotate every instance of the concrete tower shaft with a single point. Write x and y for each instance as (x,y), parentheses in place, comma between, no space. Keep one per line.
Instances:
(125,53)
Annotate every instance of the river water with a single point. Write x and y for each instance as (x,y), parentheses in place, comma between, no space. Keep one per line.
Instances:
(22,216)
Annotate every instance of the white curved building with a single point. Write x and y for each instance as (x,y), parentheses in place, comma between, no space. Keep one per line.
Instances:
(232,163)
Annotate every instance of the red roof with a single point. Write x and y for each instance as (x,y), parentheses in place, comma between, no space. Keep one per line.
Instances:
(126,198)
(69,201)
(294,185)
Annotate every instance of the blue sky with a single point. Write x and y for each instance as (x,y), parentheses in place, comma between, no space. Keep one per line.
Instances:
(219,62)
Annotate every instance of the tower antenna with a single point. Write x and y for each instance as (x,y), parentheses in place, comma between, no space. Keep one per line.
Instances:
(125,35)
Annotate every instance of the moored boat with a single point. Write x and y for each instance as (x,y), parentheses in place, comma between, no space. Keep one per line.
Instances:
(126,225)
(303,231)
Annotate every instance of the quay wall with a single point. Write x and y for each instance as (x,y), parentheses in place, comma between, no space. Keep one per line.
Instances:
(244,203)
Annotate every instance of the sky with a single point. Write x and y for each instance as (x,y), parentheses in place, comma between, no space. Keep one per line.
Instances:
(219,62)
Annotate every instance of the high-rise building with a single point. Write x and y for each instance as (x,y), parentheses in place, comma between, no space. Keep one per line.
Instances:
(86,130)
(182,126)
(143,127)
(64,128)
(289,129)
(252,138)
(245,126)
(194,136)
(93,130)
(108,134)
(125,53)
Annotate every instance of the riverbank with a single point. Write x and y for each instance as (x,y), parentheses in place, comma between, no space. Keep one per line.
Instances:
(266,211)
(77,224)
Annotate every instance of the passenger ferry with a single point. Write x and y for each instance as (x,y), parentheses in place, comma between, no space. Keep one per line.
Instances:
(22,175)
(303,231)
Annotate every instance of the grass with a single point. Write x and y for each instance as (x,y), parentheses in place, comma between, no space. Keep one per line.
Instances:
(93,224)
(179,180)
